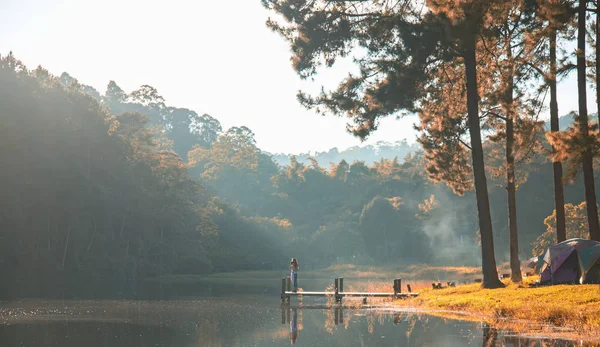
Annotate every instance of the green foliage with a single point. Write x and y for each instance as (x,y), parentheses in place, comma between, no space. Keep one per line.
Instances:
(390,232)
(91,205)
(577,227)
(185,125)
(94,203)
(571,144)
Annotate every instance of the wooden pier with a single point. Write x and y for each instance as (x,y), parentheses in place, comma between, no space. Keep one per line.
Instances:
(338,292)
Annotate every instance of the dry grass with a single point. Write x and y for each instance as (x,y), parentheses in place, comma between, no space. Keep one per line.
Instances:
(421,271)
(377,287)
(387,286)
(575,307)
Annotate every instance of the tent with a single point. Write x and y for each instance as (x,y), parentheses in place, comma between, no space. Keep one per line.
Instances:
(571,261)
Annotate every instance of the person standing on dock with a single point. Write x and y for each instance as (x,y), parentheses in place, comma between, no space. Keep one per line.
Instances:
(294,267)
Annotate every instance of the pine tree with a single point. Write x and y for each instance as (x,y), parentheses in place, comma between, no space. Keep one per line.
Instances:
(556,15)
(405,43)
(582,118)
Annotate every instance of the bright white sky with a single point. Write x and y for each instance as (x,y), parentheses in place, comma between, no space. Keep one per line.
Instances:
(214,57)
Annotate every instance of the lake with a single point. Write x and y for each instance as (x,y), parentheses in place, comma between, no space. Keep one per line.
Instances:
(236,313)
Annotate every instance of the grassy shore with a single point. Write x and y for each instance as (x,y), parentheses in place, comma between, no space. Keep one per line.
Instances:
(574,309)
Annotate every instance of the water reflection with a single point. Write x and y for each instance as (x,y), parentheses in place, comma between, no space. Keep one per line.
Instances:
(233,313)
(363,327)
(490,335)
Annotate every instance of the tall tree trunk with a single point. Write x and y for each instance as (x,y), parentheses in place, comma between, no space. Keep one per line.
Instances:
(488,260)
(559,195)
(598,65)
(588,166)
(511,189)
(515,263)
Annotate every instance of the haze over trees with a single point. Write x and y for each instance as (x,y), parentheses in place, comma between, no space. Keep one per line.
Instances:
(369,154)
(103,191)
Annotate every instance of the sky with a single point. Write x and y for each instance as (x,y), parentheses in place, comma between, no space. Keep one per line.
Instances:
(215,57)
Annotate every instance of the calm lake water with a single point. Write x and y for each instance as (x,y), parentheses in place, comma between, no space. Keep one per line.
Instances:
(235,313)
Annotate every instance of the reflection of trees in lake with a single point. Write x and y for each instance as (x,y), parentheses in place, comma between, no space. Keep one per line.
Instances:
(367,327)
(329,323)
(490,335)
(412,320)
(340,316)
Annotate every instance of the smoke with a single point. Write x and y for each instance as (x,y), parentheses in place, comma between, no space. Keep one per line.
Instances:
(451,228)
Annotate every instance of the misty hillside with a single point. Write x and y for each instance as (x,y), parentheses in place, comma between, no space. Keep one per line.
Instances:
(369,154)
(380,150)
(290,189)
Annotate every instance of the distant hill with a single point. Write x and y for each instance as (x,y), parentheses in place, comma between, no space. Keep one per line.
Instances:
(369,154)
(388,150)
(565,121)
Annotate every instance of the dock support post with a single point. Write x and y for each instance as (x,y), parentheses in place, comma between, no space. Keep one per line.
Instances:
(397,286)
(283,290)
(283,315)
(336,287)
(289,288)
(341,284)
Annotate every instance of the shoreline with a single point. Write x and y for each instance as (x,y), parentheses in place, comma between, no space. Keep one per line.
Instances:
(504,326)
(570,312)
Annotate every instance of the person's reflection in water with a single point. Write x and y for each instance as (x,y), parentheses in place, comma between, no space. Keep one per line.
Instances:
(294,327)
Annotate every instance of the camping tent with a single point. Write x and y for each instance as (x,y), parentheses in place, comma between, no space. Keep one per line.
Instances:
(570,261)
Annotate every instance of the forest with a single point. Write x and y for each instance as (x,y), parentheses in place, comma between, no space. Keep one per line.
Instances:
(103,190)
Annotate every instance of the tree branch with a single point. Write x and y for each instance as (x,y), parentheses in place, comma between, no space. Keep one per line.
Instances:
(536,68)
(465,144)
(566,69)
(497,115)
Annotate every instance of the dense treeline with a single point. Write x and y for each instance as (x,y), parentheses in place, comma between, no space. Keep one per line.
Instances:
(93,203)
